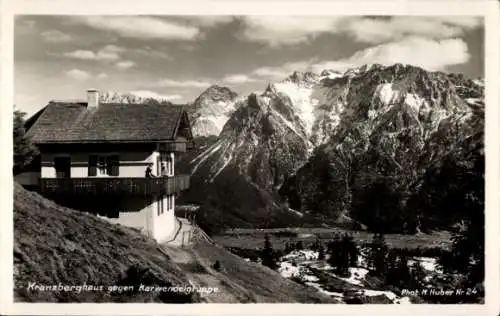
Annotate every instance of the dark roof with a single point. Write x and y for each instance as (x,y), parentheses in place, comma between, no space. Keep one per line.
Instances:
(66,122)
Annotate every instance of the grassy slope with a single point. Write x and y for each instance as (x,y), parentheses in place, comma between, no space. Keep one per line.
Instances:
(54,244)
(252,282)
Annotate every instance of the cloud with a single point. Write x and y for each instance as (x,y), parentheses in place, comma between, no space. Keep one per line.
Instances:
(238,79)
(183,84)
(102,75)
(155,95)
(286,30)
(126,64)
(291,30)
(139,27)
(433,55)
(55,36)
(278,73)
(152,53)
(78,74)
(109,52)
(209,20)
(371,30)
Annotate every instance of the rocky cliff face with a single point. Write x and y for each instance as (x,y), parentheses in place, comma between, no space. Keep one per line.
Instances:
(319,139)
(211,110)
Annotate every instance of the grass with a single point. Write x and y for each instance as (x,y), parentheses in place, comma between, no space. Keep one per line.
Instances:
(254,238)
(254,282)
(53,245)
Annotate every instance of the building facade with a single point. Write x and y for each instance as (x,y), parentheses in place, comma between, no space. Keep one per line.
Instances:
(95,157)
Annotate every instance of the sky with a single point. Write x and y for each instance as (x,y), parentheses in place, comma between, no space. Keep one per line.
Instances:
(178,57)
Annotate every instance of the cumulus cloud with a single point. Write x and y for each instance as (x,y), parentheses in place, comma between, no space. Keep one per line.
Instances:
(290,30)
(139,27)
(183,84)
(126,64)
(78,74)
(280,72)
(371,30)
(238,79)
(109,52)
(102,75)
(55,36)
(433,55)
(429,54)
(155,95)
(152,53)
(286,30)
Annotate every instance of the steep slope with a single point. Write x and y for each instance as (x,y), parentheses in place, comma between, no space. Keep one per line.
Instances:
(54,245)
(397,122)
(210,111)
(328,129)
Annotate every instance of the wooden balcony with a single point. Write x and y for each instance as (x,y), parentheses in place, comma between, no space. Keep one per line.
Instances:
(114,186)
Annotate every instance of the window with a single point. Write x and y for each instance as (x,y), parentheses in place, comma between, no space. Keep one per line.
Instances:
(63,167)
(104,165)
(160,205)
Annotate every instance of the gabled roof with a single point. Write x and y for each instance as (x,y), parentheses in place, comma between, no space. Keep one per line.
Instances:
(67,122)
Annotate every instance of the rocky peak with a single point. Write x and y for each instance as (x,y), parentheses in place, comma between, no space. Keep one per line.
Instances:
(217,93)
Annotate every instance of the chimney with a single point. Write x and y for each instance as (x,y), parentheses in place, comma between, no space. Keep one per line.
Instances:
(92,98)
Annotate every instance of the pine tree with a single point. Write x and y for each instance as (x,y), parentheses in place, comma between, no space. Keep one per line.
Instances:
(377,256)
(334,251)
(417,275)
(403,273)
(24,152)
(391,276)
(299,245)
(267,256)
(321,252)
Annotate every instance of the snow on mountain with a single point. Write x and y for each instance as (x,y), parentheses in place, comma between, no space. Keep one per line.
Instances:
(211,110)
(398,114)
(131,97)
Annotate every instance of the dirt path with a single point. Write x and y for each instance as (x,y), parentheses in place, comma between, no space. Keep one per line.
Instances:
(200,274)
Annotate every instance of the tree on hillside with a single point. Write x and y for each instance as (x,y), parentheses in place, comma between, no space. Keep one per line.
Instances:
(377,255)
(351,250)
(321,252)
(24,151)
(417,275)
(267,254)
(391,275)
(334,251)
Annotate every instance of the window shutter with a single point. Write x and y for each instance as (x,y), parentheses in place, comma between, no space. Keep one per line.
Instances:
(115,165)
(92,166)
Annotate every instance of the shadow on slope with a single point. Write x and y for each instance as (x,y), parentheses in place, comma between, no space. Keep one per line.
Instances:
(55,245)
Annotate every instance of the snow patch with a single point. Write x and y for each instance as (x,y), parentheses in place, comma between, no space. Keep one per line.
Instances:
(295,212)
(357,276)
(386,94)
(301,255)
(204,155)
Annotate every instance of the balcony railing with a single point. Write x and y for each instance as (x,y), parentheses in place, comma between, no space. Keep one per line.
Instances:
(115,186)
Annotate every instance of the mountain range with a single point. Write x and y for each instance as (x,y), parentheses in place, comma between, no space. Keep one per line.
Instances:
(363,147)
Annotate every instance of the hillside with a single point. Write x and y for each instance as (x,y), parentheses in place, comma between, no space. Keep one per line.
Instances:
(54,245)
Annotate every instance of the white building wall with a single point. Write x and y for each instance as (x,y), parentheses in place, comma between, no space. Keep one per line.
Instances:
(132,164)
(164,224)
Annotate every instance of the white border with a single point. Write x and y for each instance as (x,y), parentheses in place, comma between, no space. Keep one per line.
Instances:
(489,9)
